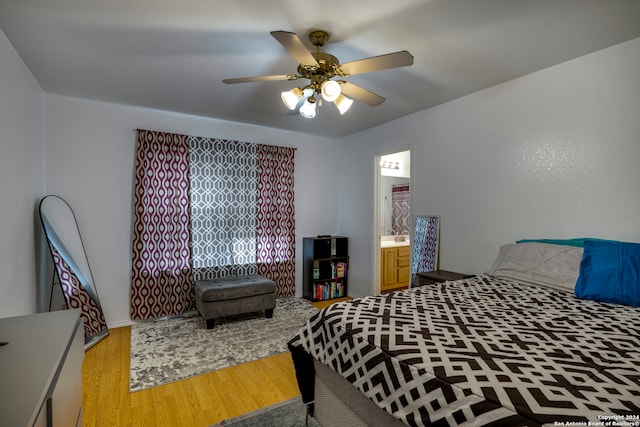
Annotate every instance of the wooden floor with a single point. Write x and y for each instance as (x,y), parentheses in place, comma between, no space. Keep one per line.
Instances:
(194,402)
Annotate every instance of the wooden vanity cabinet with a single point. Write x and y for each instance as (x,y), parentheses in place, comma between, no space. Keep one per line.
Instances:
(395,268)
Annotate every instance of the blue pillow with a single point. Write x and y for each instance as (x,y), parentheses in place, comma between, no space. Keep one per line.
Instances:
(610,272)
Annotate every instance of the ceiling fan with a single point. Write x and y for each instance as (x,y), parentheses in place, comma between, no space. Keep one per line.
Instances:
(320,68)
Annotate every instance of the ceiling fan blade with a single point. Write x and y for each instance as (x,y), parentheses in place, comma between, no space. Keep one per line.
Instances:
(376,63)
(261,78)
(361,94)
(295,47)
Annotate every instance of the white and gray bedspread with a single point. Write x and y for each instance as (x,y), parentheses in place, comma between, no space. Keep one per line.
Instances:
(482,351)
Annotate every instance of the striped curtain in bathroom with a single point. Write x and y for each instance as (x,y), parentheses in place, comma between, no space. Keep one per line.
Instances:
(400,209)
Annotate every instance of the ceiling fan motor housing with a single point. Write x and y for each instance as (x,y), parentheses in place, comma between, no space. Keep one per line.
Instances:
(327,66)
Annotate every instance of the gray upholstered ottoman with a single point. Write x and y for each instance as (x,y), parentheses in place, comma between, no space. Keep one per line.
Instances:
(228,296)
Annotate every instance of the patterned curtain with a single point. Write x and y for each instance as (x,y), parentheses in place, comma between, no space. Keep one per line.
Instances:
(161,251)
(401,209)
(224,181)
(276,220)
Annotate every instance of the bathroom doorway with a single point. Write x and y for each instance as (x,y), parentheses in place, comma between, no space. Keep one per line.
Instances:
(393,224)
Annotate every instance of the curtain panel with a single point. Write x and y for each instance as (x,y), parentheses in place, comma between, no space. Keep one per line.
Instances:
(161,282)
(224,179)
(276,217)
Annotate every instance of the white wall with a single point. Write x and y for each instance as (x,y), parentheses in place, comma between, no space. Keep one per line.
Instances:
(90,161)
(552,154)
(21,180)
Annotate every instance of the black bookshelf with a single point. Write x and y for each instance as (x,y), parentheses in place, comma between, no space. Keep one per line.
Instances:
(325,267)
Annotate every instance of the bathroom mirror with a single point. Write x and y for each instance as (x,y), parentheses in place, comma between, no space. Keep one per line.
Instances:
(72,267)
(425,245)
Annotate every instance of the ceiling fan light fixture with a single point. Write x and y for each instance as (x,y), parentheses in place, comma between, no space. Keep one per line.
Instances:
(308,109)
(343,104)
(330,90)
(319,68)
(291,98)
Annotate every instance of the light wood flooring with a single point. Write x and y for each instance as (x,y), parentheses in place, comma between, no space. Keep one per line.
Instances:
(194,402)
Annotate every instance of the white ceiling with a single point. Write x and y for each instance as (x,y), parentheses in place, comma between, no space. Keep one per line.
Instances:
(173,54)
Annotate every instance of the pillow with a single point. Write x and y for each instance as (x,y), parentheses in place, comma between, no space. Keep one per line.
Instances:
(610,272)
(578,242)
(543,264)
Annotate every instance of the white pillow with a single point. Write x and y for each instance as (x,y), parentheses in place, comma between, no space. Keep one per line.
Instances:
(554,266)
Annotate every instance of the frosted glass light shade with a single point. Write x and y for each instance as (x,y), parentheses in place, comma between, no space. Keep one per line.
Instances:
(308,109)
(330,90)
(343,104)
(291,97)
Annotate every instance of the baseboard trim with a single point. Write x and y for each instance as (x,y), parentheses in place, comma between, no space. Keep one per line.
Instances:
(112,325)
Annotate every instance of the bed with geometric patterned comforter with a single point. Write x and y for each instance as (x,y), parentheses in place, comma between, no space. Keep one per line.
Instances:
(481,351)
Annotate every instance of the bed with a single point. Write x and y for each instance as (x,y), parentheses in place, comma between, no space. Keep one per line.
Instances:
(532,342)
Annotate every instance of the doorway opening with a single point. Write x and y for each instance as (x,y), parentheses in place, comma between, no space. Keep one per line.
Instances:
(393,224)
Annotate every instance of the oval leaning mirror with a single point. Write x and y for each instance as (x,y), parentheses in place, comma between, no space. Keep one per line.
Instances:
(72,267)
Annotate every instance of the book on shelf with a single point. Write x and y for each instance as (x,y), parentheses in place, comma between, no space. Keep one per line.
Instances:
(338,270)
(328,290)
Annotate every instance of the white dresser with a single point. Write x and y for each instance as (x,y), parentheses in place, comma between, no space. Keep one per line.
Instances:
(41,370)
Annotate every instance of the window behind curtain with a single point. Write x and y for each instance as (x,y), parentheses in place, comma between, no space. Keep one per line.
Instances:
(225,208)
(242,211)
(224,179)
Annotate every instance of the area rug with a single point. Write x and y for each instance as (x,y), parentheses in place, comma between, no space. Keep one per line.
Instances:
(169,350)
(290,413)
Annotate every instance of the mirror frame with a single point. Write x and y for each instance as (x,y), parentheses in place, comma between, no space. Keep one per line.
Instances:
(71,266)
